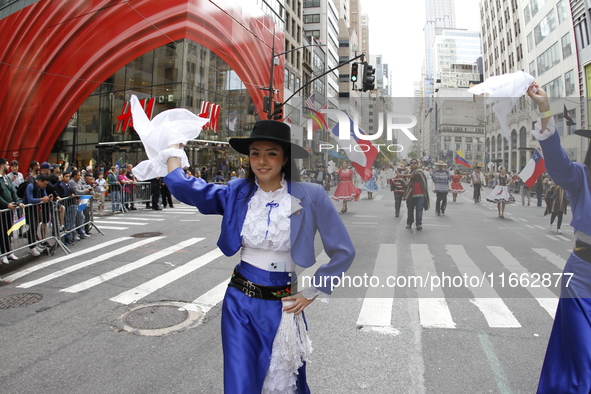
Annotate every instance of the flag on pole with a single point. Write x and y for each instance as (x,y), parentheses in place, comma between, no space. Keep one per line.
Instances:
(362,153)
(568,118)
(119,164)
(83,203)
(18,224)
(309,103)
(460,159)
(533,169)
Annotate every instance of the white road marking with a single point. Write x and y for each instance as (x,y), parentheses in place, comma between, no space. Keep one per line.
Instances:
(131,266)
(45,264)
(433,309)
(87,263)
(139,292)
(376,309)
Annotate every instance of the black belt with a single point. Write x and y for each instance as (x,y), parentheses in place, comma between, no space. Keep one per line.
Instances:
(258,291)
(582,251)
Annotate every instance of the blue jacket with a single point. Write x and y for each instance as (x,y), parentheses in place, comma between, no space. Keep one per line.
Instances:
(317,214)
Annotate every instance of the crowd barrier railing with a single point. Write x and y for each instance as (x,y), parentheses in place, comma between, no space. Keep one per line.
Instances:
(123,197)
(45,226)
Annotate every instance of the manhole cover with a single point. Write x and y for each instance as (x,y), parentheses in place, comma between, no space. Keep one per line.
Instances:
(147,235)
(18,300)
(155,317)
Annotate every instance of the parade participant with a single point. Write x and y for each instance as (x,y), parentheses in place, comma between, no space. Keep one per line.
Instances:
(456,185)
(398,185)
(416,195)
(346,190)
(556,203)
(264,337)
(440,179)
(477,182)
(500,194)
(568,357)
(371,186)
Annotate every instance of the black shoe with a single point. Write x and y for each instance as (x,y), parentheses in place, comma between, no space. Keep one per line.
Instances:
(133,209)
(171,206)
(397,214)
(157,209)
(148,206)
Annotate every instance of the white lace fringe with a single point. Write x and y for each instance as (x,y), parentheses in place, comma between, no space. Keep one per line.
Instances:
(291,348)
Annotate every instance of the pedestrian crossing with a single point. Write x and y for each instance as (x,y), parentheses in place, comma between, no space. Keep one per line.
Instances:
(143,218)
(485,288)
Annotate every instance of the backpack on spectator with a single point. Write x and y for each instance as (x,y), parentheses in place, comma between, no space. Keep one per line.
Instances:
(21,190)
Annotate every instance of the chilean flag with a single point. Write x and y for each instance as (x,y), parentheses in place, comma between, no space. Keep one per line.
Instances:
(362,153)
(533,169)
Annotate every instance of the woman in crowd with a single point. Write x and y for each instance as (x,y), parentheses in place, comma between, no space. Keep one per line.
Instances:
(456,185)
(500,194)
(264,336)
(346,190)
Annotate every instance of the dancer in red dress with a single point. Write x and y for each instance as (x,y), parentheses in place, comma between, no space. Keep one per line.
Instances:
(456,186)
(346,190)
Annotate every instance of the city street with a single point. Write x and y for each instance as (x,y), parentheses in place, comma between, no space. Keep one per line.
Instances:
(464,306)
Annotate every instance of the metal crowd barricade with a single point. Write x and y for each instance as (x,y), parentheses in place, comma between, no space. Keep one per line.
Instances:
(123,197)
(48,224)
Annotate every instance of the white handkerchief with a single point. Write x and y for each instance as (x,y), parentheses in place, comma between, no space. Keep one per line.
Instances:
(173,126)
(504,91)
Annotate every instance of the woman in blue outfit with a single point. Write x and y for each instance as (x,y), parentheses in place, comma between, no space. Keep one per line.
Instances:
(272,220)
(567,365)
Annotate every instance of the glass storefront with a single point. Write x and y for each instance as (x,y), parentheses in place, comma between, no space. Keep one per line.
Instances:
(182,74)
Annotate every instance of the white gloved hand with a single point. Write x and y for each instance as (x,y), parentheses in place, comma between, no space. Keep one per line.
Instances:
(173,126)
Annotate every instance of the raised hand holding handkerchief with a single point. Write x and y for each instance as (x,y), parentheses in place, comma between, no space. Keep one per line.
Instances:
(173,126)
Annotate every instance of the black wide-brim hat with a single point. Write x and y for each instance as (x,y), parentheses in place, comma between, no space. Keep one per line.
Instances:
(273,131)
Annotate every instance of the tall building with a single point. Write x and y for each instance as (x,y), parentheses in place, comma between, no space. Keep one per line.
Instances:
(439,14)
(536,36)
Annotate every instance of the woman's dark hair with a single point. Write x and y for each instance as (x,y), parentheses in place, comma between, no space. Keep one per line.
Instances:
(289,170)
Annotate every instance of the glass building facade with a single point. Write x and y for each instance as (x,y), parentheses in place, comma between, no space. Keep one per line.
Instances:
(182,74)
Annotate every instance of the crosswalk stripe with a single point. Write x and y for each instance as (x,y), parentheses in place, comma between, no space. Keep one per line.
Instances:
(101,221)
(45,264)
(562,237)
(551,257)
(433,309)
(376,309)
(137,218)
(552,237)
(378,197)
(546,298)
(131,266)
(114,228)
(495,311)
(209,299)
(139,292)
(87,263)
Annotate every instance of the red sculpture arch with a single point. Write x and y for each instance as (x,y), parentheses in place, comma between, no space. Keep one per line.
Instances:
(56,52)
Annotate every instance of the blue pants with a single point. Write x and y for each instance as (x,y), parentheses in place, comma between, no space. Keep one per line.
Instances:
(415,203)
(568,357)
(249,326)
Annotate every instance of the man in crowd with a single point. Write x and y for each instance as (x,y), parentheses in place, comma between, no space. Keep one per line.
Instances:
(79,189)
(15,177)
(114,190)
(130,175)
(416,195)
(398,186)
(441,187)
(9,201)
(36,194)
(477,181)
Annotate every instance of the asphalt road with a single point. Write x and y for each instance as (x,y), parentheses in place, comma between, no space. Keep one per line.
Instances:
(483,328)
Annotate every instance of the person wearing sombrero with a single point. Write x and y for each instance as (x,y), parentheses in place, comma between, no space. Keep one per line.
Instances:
(566,367)
(272,219)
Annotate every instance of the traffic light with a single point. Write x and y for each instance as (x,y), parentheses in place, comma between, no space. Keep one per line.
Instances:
(369,77)
(354,72)
(278,110)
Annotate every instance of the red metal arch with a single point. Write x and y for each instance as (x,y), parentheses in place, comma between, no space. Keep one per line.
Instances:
(56,52)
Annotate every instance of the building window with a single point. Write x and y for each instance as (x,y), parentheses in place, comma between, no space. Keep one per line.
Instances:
(536,5)
(526,14)
(530,42)
(562,10)
(582,35)
(312,18)
(554,88)
(548,59)
(545,27)
(532,69)
(313,33)
(569,82)
(566,47)
(311,3)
